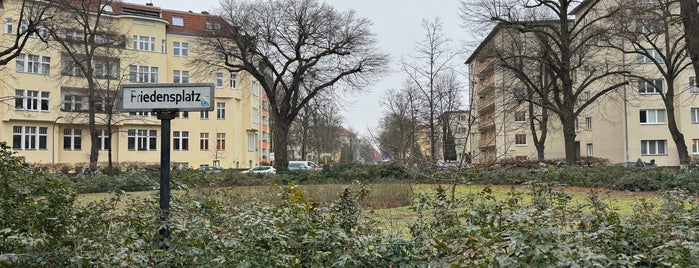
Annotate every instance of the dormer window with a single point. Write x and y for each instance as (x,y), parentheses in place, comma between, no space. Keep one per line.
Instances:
(177,21)
(107,8)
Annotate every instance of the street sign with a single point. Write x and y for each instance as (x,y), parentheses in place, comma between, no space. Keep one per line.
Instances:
(171,97)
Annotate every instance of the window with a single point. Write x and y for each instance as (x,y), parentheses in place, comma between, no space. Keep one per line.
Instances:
(204,141)
(693,85)
(588,123)
(105,141)
(143,113)
(219,80)
(8,25)
(72,139)
(654,86)
(178,21)
(648,26)
(251,142)
(72,103)
(255,115)
(652,54)
(577,124)
(180,49)
(180,140)
(182,115)
(221,141)
(521,116)
(24,26)
(35,64)
(462,117)
(652,116)
(180,77)
(220,110)
(163,46)
(653,147)
(213,25)
(517,47)
(695,115)
(143,43)
(589,149)
(695,146)
(29,138)
(204,115)
(234,80)
(255,89)
(143,74)
(75,35)
(142,139)
(31,100)
(521,139)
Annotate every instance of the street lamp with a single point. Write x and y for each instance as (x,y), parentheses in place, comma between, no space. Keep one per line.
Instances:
(53,144)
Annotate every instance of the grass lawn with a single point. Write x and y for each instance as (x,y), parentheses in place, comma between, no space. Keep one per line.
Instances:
(390,203)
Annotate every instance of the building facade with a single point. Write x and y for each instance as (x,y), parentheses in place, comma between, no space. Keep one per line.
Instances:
(44,119)
(625,125)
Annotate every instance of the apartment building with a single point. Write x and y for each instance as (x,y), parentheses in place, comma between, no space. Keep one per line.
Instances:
(44,119)
(625,125)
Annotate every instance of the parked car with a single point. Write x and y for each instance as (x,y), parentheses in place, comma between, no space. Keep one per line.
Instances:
(261,170)
(210,169)
(298,166)
(306,165)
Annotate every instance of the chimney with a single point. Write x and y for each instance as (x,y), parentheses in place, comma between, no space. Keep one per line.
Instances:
(149,4)
(205,12)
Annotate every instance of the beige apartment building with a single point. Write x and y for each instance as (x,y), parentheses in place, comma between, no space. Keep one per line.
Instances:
(627,124)
(44,115)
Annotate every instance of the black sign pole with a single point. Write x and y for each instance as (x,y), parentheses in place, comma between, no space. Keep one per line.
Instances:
(164,233)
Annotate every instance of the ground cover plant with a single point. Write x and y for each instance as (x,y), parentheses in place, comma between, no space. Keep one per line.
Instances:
(536,224)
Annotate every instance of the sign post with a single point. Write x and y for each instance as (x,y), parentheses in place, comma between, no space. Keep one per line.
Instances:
(166,100)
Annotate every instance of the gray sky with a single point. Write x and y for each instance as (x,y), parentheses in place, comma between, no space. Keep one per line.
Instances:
(397,27)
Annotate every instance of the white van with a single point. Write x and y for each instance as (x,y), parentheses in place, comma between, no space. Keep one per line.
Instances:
(302,165)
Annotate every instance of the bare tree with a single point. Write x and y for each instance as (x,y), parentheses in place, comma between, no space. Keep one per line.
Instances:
(90,50)
(432,74)
(576,64)
(689,12)
(398,134)
(652,34)
(296,49)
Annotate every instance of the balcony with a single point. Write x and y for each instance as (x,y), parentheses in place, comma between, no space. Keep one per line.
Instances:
(487,142)
(484,84)
(485,64)
(486,102)
(486,123)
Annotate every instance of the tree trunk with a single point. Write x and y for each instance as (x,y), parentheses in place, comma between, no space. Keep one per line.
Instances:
(568,121)
(94,136)
(690,20)
(676,134)
(281,138)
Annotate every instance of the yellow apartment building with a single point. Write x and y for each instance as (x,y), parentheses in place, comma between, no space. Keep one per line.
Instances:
(628,124)
(43,113)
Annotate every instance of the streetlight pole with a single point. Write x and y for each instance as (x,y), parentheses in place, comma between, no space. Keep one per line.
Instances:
(53,144)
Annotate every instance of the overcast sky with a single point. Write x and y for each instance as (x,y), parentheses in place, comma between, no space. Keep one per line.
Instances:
(397,25)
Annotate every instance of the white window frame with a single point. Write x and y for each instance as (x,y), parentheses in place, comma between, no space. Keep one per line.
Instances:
(180,140)
(221,110)
(33,64)
(234,80)
(72,139)
(251,142)
(524,119)
(32,100)
(219,80)
(204,115)
(693,88)
(695,146)
(643,59)
(255,89)
(588,123)
(180,77)
(653,147)
(590,149)
(8,26)
(517,139)
(220,141)
(142,139)
(204,141)
(143,43)
(105,140)
(180,49)
(695,115)
(143,74)
(177,21)
(29,138)
(255,115)
(655,86)
(653,116)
